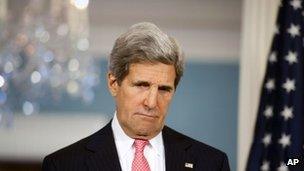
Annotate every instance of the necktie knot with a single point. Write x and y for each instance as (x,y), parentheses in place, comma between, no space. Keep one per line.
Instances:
(140,145)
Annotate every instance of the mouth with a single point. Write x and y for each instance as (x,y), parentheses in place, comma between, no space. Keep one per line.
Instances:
(151,116)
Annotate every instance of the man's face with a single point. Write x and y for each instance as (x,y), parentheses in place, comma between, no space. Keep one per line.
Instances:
(143,98)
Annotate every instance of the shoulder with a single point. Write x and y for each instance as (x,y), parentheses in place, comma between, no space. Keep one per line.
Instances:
(76,153)
(202,152)
(75,149)
(177,136)
(73,154)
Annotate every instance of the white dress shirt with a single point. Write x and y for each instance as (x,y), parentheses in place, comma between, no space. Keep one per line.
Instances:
(154,151)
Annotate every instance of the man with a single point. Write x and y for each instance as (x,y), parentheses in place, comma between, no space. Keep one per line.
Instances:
(145,67)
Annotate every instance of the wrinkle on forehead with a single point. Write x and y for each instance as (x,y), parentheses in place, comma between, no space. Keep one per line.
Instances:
(158,73)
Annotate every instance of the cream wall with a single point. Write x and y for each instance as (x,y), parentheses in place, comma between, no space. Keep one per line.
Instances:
(208,30)
(258,21)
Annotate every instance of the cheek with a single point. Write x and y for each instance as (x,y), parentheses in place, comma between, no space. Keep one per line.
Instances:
(131,99)
(165,100)
(164,103)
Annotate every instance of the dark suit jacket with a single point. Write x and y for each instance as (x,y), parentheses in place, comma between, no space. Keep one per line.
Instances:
(98,153)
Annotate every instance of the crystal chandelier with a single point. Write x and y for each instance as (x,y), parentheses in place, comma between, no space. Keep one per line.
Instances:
(44,54)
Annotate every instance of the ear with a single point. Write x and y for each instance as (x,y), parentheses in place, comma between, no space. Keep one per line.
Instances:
(112,84)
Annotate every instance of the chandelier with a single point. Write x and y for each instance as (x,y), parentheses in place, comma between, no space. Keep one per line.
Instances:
(44,54)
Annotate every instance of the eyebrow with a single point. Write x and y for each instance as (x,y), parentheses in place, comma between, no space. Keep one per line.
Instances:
(146,83)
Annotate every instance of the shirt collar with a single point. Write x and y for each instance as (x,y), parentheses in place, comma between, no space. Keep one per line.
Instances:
(125,143)
(157,144)
(122,140)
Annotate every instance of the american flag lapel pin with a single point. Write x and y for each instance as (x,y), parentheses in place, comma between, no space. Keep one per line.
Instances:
(189,165)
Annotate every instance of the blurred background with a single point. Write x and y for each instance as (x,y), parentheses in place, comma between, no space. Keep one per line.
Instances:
(53,62)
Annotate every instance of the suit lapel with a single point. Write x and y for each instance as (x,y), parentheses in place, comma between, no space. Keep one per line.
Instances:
(104,156)
(176,155)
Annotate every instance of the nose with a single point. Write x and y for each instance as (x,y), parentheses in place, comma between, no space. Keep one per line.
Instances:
(151,98)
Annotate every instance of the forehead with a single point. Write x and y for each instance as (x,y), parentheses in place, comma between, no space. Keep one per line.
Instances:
(152,72)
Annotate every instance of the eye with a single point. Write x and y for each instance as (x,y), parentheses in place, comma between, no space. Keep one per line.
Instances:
(165,89)
(141,84)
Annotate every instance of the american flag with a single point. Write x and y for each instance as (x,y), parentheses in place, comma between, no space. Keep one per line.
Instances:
(279,130)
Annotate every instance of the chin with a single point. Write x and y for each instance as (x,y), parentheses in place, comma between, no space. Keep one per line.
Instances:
(147,132)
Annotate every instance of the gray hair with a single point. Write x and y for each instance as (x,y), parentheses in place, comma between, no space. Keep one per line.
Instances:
(145,42)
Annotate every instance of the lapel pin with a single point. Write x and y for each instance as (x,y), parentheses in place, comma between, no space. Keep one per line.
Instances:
(189,165)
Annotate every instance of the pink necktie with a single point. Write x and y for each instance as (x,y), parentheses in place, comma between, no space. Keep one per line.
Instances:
(140,163)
